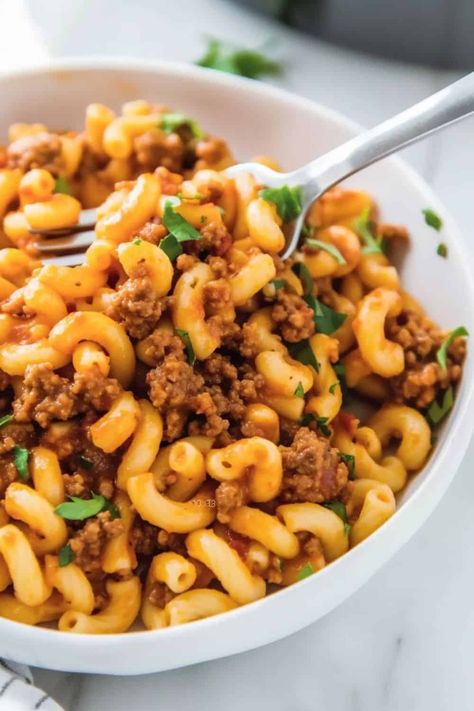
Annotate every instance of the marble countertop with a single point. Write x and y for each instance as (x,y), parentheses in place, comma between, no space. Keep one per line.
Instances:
(405,641)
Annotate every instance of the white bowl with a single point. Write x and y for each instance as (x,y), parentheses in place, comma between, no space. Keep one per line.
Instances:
(256,118)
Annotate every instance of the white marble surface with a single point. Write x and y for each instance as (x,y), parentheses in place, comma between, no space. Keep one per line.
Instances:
(405,641)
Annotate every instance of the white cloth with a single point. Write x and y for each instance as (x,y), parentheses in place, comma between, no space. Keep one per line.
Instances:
(18,693)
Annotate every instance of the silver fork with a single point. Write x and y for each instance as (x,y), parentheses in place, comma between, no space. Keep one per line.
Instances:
(454,102)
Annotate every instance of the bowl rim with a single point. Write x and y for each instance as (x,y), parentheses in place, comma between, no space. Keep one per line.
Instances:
(381,545)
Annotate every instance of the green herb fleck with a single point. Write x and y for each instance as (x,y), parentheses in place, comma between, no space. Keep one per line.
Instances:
(178,226)
(299,392)
(111,508)
(303,353)
(278,283)
(326,247)
(349,460)
(363,227)
(185,337)
(320,422)
(326,319)
(171,247)
(307,230)
(65,555)
(442,352)
(20,459)
(305,571)
(170,123)
(288,201)
(62,185)
(302,272)
(5,420)
(280,564)
(248,63)
(137,242)
(339,508)
(442,250)
(436,412)
(432,219)
(79,509)
(332,388)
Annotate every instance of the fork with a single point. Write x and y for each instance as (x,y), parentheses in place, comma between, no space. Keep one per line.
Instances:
(444,107)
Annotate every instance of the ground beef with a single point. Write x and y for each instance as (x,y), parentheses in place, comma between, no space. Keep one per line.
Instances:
(294,318)
(13,434)
(143,537)
(42,150)
(215,240)
(89,542)
(162,343)
(4,380)
(152,231)
(8,473)
(212,152)
(173,386)
(217,295)
(242,340)
(205,399)
(160,595)
(312,470)
(423,377)
(155,148)
(172,542)
(230,495)
(136,306)
(46,396)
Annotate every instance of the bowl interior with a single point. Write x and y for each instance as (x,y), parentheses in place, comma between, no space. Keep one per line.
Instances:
(256,119)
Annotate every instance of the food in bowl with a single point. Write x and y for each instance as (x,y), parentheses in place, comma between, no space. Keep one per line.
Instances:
(178,433)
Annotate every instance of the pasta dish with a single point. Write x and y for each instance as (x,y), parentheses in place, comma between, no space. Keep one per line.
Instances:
(178,414)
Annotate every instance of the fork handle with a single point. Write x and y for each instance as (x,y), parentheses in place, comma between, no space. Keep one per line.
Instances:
(446,106)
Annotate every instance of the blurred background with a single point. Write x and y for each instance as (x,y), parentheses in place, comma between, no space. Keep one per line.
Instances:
(367,59)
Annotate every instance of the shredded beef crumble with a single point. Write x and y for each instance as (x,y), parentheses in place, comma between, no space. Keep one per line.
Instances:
(312,470)
(136,306)
(89,542)
(41,150)
(293,317)
(423,377)
(46,396)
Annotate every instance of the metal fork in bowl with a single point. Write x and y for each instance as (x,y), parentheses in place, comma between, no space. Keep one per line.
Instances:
(454,102)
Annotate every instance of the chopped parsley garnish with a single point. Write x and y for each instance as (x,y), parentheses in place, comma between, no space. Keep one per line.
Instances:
(436,411)
(326,247)
(303,353)
(320,422)
(302,272)
(171,122)
(432,219)
(85,463)
(79,509)
(5,420)
(442,352)
(171,247)
(20,459)
(442,250)
(278,283)
(178,226)
(184,335)
(244,62)
(65,555)
(137,242)
(307,230)
(305,571)
(288,201)
(363,227)
(326,319)
(349,460)
(332,388)
(340,369)
(111,508)
(62,185)
(339,508)
(299,392)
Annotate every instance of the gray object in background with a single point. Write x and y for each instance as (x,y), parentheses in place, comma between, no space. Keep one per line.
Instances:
(434,32)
